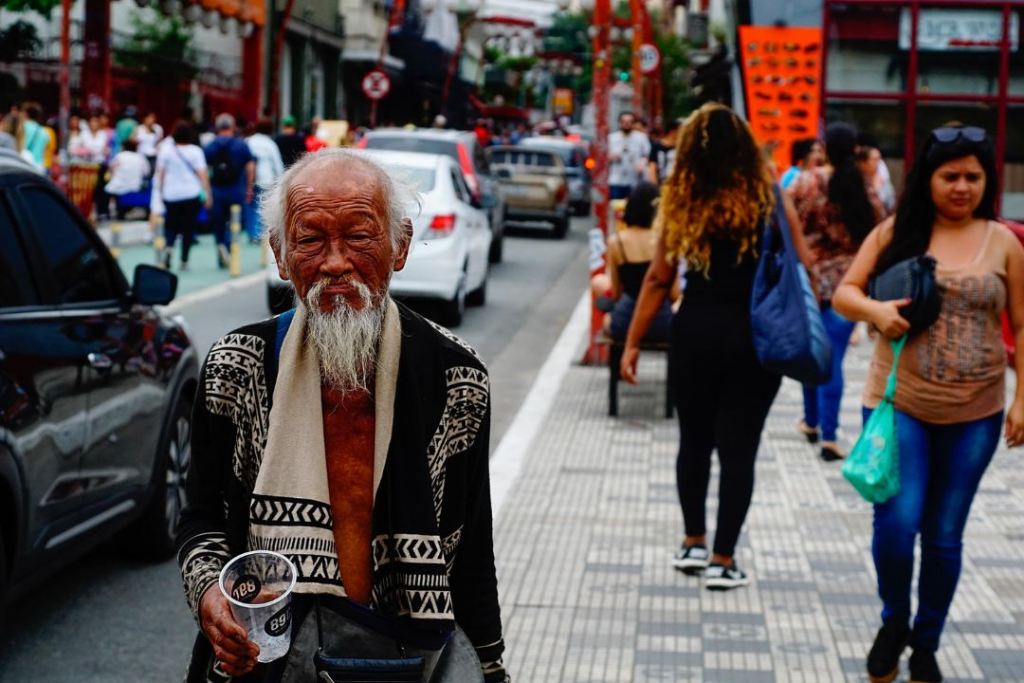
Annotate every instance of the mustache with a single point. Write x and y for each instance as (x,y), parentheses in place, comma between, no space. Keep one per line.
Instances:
(315,292)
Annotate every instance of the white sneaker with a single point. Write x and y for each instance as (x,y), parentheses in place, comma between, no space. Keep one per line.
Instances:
(718,577)
(691,559)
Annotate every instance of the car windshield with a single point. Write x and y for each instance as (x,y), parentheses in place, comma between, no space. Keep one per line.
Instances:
(522,157)
(422,179)
(413,143)
(563,151)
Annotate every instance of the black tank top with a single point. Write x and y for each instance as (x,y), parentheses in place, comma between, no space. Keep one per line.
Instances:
(631,273)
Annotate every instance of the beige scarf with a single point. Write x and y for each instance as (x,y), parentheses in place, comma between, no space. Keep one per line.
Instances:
(290,511)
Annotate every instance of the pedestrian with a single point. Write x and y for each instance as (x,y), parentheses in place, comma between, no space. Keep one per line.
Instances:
(837,209)
(711,210)
(183,185)
(232,176)
(311,141)
(389,523)
(805,154)
(290,142)
(628,150)
(147,136)
(125,127)
(663,152)
(269,168)
(34,137)
(128,173)
(50,128)
(876,173)
(10,131)
(950,382)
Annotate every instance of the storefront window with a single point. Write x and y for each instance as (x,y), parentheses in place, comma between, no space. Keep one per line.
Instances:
(958,49)
(863,54)
(1013,170)
(1017,63)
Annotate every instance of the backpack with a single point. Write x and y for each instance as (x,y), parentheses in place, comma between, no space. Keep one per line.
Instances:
(225,172)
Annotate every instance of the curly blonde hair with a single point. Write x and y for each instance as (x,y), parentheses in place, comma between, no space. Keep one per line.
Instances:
(720,187)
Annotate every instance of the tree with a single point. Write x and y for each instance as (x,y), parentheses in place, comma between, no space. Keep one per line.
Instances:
(43,7)
(159,48)
(18,41)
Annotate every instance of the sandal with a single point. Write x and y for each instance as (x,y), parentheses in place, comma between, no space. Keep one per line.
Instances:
(810,433)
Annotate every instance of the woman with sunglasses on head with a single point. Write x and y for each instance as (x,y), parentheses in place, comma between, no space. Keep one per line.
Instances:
(950,390)
(838,209)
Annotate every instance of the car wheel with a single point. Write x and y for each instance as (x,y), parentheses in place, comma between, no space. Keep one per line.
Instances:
(562,226)
(152,536)
(478,297)
(453,309)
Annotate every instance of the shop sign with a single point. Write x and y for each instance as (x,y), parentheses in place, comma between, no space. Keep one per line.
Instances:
(563,100)
(975,30)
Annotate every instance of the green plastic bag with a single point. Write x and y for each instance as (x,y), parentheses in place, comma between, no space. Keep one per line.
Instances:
(873,466)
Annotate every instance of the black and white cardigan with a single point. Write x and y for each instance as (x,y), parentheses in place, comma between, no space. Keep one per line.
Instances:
(434,499)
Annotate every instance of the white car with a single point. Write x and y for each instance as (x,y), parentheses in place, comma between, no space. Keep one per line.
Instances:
(451,239)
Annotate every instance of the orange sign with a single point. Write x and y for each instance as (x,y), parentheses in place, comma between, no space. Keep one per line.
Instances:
(782,77)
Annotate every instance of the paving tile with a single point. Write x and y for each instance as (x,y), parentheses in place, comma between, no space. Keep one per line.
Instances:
(584,542)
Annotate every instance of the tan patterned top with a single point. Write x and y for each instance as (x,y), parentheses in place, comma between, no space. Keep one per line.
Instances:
(955,370)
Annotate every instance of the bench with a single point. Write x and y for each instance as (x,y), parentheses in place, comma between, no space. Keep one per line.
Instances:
(615,351)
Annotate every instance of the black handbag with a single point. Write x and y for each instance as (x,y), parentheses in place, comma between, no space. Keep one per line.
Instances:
(914,279)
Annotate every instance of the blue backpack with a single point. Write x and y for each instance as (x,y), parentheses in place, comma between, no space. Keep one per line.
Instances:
(789,335)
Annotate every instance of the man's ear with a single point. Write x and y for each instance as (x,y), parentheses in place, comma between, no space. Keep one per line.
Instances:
(404,243)
(275,245)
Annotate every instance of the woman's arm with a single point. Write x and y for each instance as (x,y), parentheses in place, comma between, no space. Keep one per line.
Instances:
(851,300)
(1015,309)
(657,284)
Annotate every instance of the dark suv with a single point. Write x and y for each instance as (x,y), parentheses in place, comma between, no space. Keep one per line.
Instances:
(463,147)
(96,390)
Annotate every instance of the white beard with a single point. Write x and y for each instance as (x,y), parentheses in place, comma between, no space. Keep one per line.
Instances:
(346,339)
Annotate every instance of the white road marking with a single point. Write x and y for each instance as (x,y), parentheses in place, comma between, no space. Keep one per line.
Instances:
(215,291)
(508,458)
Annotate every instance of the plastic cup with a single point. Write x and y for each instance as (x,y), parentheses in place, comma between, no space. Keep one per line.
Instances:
(258,585)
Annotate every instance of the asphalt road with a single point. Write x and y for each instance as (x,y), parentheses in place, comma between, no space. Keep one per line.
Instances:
(110,619)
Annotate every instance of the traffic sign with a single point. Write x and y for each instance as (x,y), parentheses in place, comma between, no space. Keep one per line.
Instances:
(650,58)
(376,85)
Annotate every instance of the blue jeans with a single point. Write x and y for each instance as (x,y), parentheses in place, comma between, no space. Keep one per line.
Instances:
(253,225)
(821,402)
(220,215)
(940,469)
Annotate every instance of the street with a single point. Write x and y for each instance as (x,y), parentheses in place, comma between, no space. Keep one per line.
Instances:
(107,618)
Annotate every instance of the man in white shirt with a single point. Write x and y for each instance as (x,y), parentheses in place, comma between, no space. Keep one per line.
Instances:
(269,167)
(628,150)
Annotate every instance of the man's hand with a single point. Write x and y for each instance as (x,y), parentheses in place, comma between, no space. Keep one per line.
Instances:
(231,645)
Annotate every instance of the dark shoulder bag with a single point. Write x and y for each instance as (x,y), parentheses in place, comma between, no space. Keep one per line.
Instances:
(789,335)
(914,279)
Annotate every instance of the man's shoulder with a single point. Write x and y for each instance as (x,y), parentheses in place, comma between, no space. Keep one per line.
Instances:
(248,341)
(429,334)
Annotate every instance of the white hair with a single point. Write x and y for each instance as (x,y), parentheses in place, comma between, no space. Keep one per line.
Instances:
(398,193)
(345,339)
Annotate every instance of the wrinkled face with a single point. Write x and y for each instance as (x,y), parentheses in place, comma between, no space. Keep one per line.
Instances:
(336,230)
(957,187)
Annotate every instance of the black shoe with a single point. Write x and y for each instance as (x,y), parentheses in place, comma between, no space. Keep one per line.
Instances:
(884,657)
(831,453)
(810,433)
(924,668)
(718,577)
(691,559)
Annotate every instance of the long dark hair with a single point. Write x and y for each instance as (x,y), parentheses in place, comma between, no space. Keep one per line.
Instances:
(640,207)
(847,188)
(915,215)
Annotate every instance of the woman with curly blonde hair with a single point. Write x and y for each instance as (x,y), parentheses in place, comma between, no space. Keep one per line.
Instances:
(713,208)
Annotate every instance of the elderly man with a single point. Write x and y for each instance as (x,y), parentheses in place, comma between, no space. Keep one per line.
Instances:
(350,435)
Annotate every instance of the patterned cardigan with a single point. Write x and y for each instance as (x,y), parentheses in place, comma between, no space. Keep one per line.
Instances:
(434,499)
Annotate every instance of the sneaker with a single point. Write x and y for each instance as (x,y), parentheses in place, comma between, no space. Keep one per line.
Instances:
(924,668)
(718,577)
(884,657)
(691,559)
(223,256)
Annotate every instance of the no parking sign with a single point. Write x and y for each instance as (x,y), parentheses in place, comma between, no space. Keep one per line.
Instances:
(376,85)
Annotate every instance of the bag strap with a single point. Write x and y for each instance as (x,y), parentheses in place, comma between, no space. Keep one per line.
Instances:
(890,385)
(190,166)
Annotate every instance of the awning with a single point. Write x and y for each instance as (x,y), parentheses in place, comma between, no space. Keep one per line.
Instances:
(231,16)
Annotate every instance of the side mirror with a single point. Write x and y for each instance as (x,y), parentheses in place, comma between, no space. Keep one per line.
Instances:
(152,286)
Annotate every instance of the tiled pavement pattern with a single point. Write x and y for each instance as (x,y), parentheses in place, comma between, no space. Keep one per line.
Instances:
(585,538)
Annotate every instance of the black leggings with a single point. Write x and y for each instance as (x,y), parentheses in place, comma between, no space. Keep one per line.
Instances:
(723,399)
(181,219)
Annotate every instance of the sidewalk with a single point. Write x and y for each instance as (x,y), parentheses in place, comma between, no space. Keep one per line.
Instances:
(135,246)
(585,534)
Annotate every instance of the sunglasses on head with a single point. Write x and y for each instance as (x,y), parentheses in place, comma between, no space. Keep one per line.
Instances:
(949,135)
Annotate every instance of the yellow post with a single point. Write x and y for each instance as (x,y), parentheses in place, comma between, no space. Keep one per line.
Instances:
(159,240)
(115,239)
(236,247)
